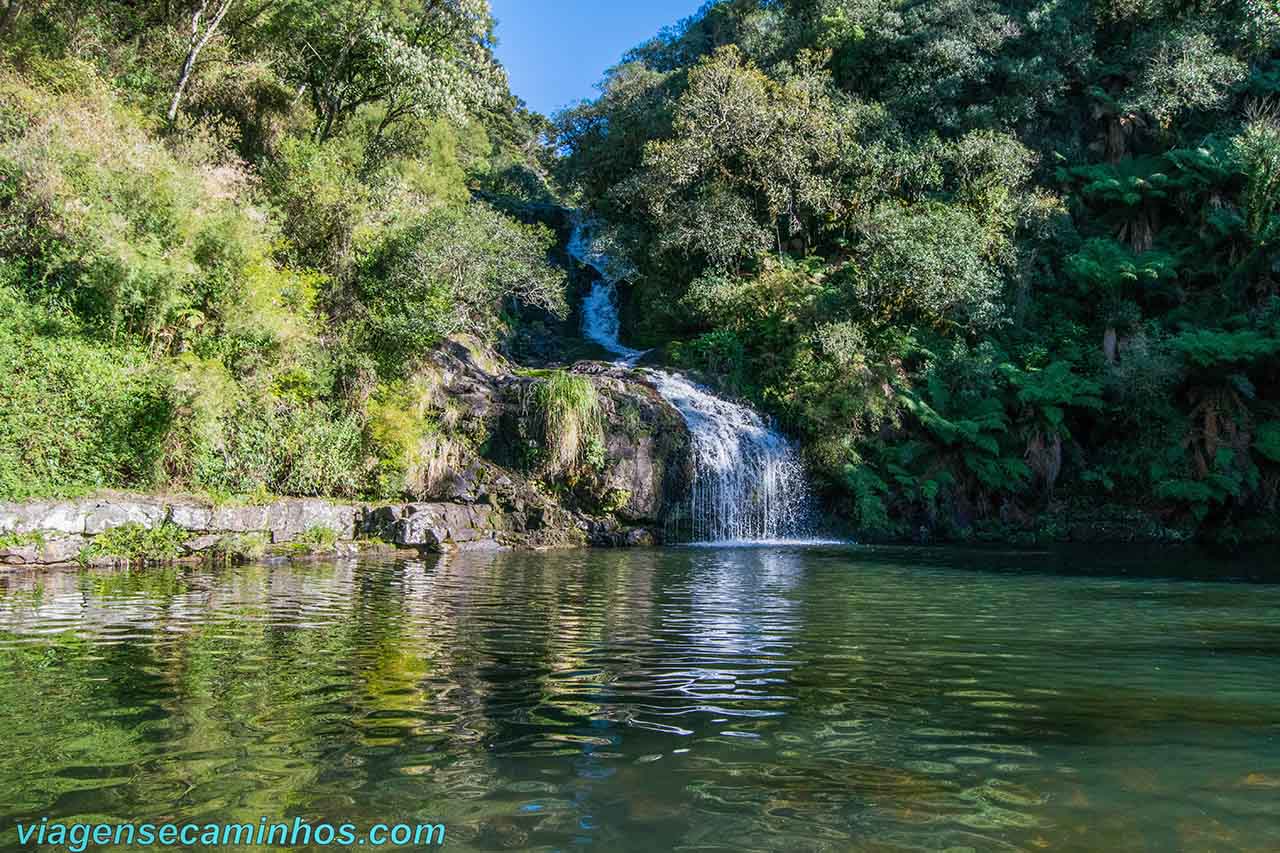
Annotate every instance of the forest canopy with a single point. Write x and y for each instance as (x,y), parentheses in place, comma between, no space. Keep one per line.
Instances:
(989,260)
(1001,266)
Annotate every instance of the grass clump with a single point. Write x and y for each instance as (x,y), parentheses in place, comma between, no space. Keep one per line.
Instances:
(567,412)
(314,540)
(134,543)
(242,547)
(21,540)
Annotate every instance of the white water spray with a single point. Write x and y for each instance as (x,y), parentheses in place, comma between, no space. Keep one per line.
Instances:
(749,484)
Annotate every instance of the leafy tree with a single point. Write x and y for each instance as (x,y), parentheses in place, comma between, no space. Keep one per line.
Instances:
(407,57)
(448,274)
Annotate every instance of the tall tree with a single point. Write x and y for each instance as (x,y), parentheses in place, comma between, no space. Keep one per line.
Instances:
(203,28)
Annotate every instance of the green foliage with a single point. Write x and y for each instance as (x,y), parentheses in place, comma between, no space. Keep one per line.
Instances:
(747,161)
(192,303)
(1257,150)
(407,58)
(136,544)
(75,415)
(719,353)
(1023,254)
(981,257)
(1267,441)
(926,263)
(566,410)
(243,547)
(137,241)
(282,447)
(448,274)
(1213,347)
(416,451)
(314,540)
(20,540)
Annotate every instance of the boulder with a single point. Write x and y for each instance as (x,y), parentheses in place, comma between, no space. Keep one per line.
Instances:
(104,514)
(43,516)
(438,526)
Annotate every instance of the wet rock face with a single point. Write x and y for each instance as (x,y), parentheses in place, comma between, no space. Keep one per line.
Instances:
(648,458)
(648,461)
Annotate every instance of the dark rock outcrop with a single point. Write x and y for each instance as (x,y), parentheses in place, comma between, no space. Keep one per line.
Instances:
(647,464)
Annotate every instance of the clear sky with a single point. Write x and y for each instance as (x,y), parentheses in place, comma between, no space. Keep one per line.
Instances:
(555,51)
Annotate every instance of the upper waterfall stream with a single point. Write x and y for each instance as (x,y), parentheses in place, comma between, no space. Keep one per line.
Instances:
(749,484)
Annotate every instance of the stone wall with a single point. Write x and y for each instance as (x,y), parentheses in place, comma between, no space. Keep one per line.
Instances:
(55,532)
(58,532)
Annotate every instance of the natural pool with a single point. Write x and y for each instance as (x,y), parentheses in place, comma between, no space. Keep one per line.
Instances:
(784,698)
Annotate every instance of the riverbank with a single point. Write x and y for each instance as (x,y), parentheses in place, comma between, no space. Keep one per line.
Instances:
(488,514)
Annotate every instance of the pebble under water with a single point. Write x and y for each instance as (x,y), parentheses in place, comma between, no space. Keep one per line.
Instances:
(790,699)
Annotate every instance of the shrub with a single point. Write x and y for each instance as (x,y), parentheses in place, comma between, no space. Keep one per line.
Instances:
(414,449)
(74,415)
(314,540)
(242,547)
(19,540)
(135,544)
(449,273)
(283,446)
(566,410)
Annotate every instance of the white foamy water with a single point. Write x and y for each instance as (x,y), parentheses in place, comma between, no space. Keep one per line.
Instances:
(749,482)
(600,321)
(749,485)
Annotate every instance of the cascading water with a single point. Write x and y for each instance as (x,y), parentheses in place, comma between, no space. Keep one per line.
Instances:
(600,321)
(749,483)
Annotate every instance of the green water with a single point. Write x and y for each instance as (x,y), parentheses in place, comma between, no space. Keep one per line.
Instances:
(802,699)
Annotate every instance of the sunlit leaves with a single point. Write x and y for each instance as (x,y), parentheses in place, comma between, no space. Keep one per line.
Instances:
(926,262)
(1186,70)
(447,274)
(745,149)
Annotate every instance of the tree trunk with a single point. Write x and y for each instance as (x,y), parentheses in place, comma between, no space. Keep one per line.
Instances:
(1110,345)
(198,43)
(12,10)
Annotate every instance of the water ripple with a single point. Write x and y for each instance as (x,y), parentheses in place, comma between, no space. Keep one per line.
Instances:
(686,699)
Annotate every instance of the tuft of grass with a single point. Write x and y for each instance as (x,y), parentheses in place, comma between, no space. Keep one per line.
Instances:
(135,544)
(314,540)
(566,408)
(242,547)
(21,540)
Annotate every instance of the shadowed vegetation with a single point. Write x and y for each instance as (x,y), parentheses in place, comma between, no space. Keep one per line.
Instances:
(1007,268)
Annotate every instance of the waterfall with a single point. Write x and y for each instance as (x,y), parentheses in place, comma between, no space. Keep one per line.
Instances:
(749,483)
(600,321)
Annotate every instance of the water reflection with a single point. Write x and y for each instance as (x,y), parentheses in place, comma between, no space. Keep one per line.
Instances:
(738,699)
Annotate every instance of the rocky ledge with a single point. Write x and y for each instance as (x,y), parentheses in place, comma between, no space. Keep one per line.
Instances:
(63,532)
(490,492)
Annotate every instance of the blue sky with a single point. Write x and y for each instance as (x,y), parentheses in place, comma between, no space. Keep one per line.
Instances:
(555,51)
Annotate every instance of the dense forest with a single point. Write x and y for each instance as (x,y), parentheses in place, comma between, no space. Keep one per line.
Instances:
(229,228)
(1001,267)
